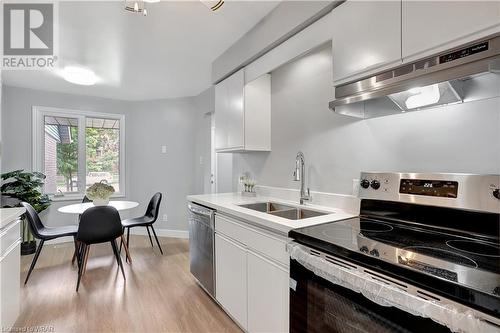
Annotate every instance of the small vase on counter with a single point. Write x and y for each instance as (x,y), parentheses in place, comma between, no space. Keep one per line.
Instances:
(249,187)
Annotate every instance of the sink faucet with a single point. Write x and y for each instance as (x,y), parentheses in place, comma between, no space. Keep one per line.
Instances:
(299,175)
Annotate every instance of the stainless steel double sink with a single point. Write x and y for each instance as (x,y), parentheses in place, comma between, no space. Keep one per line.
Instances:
(285,211)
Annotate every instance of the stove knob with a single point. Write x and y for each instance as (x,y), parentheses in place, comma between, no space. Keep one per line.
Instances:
(375,253)
(496,193)
(375,184)
(364,249)
(364,183)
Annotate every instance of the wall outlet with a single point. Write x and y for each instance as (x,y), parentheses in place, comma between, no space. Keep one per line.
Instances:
(201,160)
(165,217)
(355,187)
(163,149)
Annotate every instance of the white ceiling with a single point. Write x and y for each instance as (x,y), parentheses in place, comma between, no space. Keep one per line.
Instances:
(167,54)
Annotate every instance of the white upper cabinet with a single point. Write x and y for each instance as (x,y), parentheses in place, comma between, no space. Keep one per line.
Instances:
(366,38)
(229,117)
(243,114)
(433,26)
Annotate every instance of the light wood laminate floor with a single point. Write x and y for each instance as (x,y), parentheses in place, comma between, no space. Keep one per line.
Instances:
(159,295)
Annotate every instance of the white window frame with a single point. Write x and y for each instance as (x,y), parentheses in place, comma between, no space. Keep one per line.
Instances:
(38,144)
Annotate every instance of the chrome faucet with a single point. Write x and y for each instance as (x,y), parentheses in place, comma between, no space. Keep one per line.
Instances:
(299,175)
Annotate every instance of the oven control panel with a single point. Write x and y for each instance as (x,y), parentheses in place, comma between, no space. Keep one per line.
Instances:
(433,188)
(466,191)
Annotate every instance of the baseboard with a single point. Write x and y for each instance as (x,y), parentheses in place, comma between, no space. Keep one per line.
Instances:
(162,232)
(184,234)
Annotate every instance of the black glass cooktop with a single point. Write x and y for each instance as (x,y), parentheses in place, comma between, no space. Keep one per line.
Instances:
(363,234)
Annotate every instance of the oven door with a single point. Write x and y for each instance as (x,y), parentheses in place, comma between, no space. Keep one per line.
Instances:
(317,305)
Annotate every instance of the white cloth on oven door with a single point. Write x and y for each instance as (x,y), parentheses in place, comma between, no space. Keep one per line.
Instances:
(458,320)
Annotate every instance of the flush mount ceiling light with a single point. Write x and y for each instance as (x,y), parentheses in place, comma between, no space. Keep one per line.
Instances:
(79,75)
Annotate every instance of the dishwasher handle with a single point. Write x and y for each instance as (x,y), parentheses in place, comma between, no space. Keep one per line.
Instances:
(198,210)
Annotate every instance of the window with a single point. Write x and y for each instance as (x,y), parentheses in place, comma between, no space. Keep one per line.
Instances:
(76,149)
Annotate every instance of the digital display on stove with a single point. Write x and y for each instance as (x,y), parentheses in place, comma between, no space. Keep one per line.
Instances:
(431,188)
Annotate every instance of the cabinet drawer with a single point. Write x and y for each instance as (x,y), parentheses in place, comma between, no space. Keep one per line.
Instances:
(8,236)
(271,246)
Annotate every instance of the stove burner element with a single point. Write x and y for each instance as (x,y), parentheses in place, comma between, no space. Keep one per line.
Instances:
(372,226)
(443,255)
(475,247)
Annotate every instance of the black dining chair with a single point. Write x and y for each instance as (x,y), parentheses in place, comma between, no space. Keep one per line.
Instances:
(100,224)
(44,233)
(146,220)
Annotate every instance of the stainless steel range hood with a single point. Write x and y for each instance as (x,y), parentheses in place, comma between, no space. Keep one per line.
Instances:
(467,73)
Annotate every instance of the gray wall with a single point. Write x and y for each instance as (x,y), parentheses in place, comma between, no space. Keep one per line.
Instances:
(149,125)
(459,138)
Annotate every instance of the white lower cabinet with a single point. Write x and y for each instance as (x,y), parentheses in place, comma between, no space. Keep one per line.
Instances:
(10,264)
(252,282)
(231,278)
(267,295)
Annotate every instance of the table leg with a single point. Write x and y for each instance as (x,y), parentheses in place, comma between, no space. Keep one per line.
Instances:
(86,258)
(74,253)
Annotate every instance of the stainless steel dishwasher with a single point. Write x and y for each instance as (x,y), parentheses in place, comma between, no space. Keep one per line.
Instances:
(201,245)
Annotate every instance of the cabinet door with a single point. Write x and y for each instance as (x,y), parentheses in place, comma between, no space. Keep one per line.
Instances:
(231,278)
(268,295)
(221,111)
(9,286)
(434,26)
(366,38)
(229,112)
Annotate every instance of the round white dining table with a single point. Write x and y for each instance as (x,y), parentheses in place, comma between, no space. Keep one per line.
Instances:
(79,208)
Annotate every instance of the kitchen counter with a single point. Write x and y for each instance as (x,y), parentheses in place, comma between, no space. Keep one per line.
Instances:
(8,215)
(228,203)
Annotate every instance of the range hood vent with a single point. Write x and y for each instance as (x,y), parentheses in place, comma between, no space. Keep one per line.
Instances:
(446,78)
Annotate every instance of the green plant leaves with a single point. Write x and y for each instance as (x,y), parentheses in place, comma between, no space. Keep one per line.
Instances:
(25,186)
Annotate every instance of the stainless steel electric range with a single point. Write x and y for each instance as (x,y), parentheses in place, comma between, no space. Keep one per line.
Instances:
(423,256)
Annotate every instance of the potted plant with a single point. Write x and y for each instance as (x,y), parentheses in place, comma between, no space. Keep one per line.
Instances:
(18,186)
(100,192)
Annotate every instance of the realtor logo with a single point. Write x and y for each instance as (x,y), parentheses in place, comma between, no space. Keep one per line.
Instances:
(28,35)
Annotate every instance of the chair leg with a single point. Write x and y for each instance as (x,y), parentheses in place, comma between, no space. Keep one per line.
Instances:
(149,234)
(86,258)
(127,253)
(83,250)
(35,258)
(79,254)
(156,237)
(118,258)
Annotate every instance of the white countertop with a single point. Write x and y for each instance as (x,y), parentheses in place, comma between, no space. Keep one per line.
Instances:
(228,203)
(8,215)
